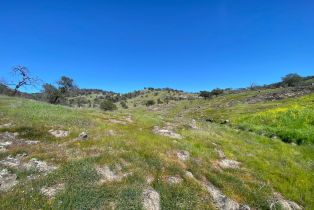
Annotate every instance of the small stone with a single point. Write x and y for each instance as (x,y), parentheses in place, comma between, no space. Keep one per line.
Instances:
(108,175)
(151,199)
(221,154)
(31,142)
(193,124)
(150,179)
(166,132)
(209,120)
(51,192)
(40,166)
(111,133)
(6,125)
(225,122)
(82,136)
(13,162)
(229,164)
(284,204)
(174,179)
(183,155)
(7,180)
(189,174)
(59,133)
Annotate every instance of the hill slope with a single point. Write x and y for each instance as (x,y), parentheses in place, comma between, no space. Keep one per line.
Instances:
(168,155)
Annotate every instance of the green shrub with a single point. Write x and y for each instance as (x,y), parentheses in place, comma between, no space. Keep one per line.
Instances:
(124,105)
(149,102)
(108,105)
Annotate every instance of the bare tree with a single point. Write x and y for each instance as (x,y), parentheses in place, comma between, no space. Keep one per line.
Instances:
(23,78)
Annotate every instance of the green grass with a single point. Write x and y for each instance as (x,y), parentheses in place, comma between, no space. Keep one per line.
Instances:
(267,164)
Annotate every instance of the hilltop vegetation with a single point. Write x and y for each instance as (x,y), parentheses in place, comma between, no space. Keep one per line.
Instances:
(249,148)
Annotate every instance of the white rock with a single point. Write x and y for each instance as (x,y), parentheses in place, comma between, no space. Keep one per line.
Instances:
(221,200)
(31,142)
(59,133)
(279,200)
(174,179)
(7,180)
(51,192)
(166,132)
(40,166)
(151,199)
(229,164)
(108,175)
(189,174)
(183,155)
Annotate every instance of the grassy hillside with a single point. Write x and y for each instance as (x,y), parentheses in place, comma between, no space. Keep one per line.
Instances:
(123,142)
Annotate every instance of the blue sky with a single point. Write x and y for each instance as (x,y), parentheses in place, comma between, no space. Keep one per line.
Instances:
(185,44)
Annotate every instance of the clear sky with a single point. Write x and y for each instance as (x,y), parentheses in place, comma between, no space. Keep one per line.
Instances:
(185,44)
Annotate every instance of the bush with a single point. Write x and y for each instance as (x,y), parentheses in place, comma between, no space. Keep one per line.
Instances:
(108,105)
(291,80)
(217,92)
(150,102)
(124,105)
(205,94)
(159,101)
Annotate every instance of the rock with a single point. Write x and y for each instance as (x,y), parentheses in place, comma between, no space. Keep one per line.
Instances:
(52,191)
(151,199)
(13,162)
(193,124)
(118,122)
(189,174)
(59,133)
(174,180)
(40,166)
(166,132)
(209,120)
(279,201)
(82,136)
(129,119)
(7,180)
(225,122)
(221,154)
(31,142)
(111,133)
(8,136)
(6,125)
(108,175)
(2,149)
(221,200)
(150,179)
(5,143)
(229,164)
(183,155)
